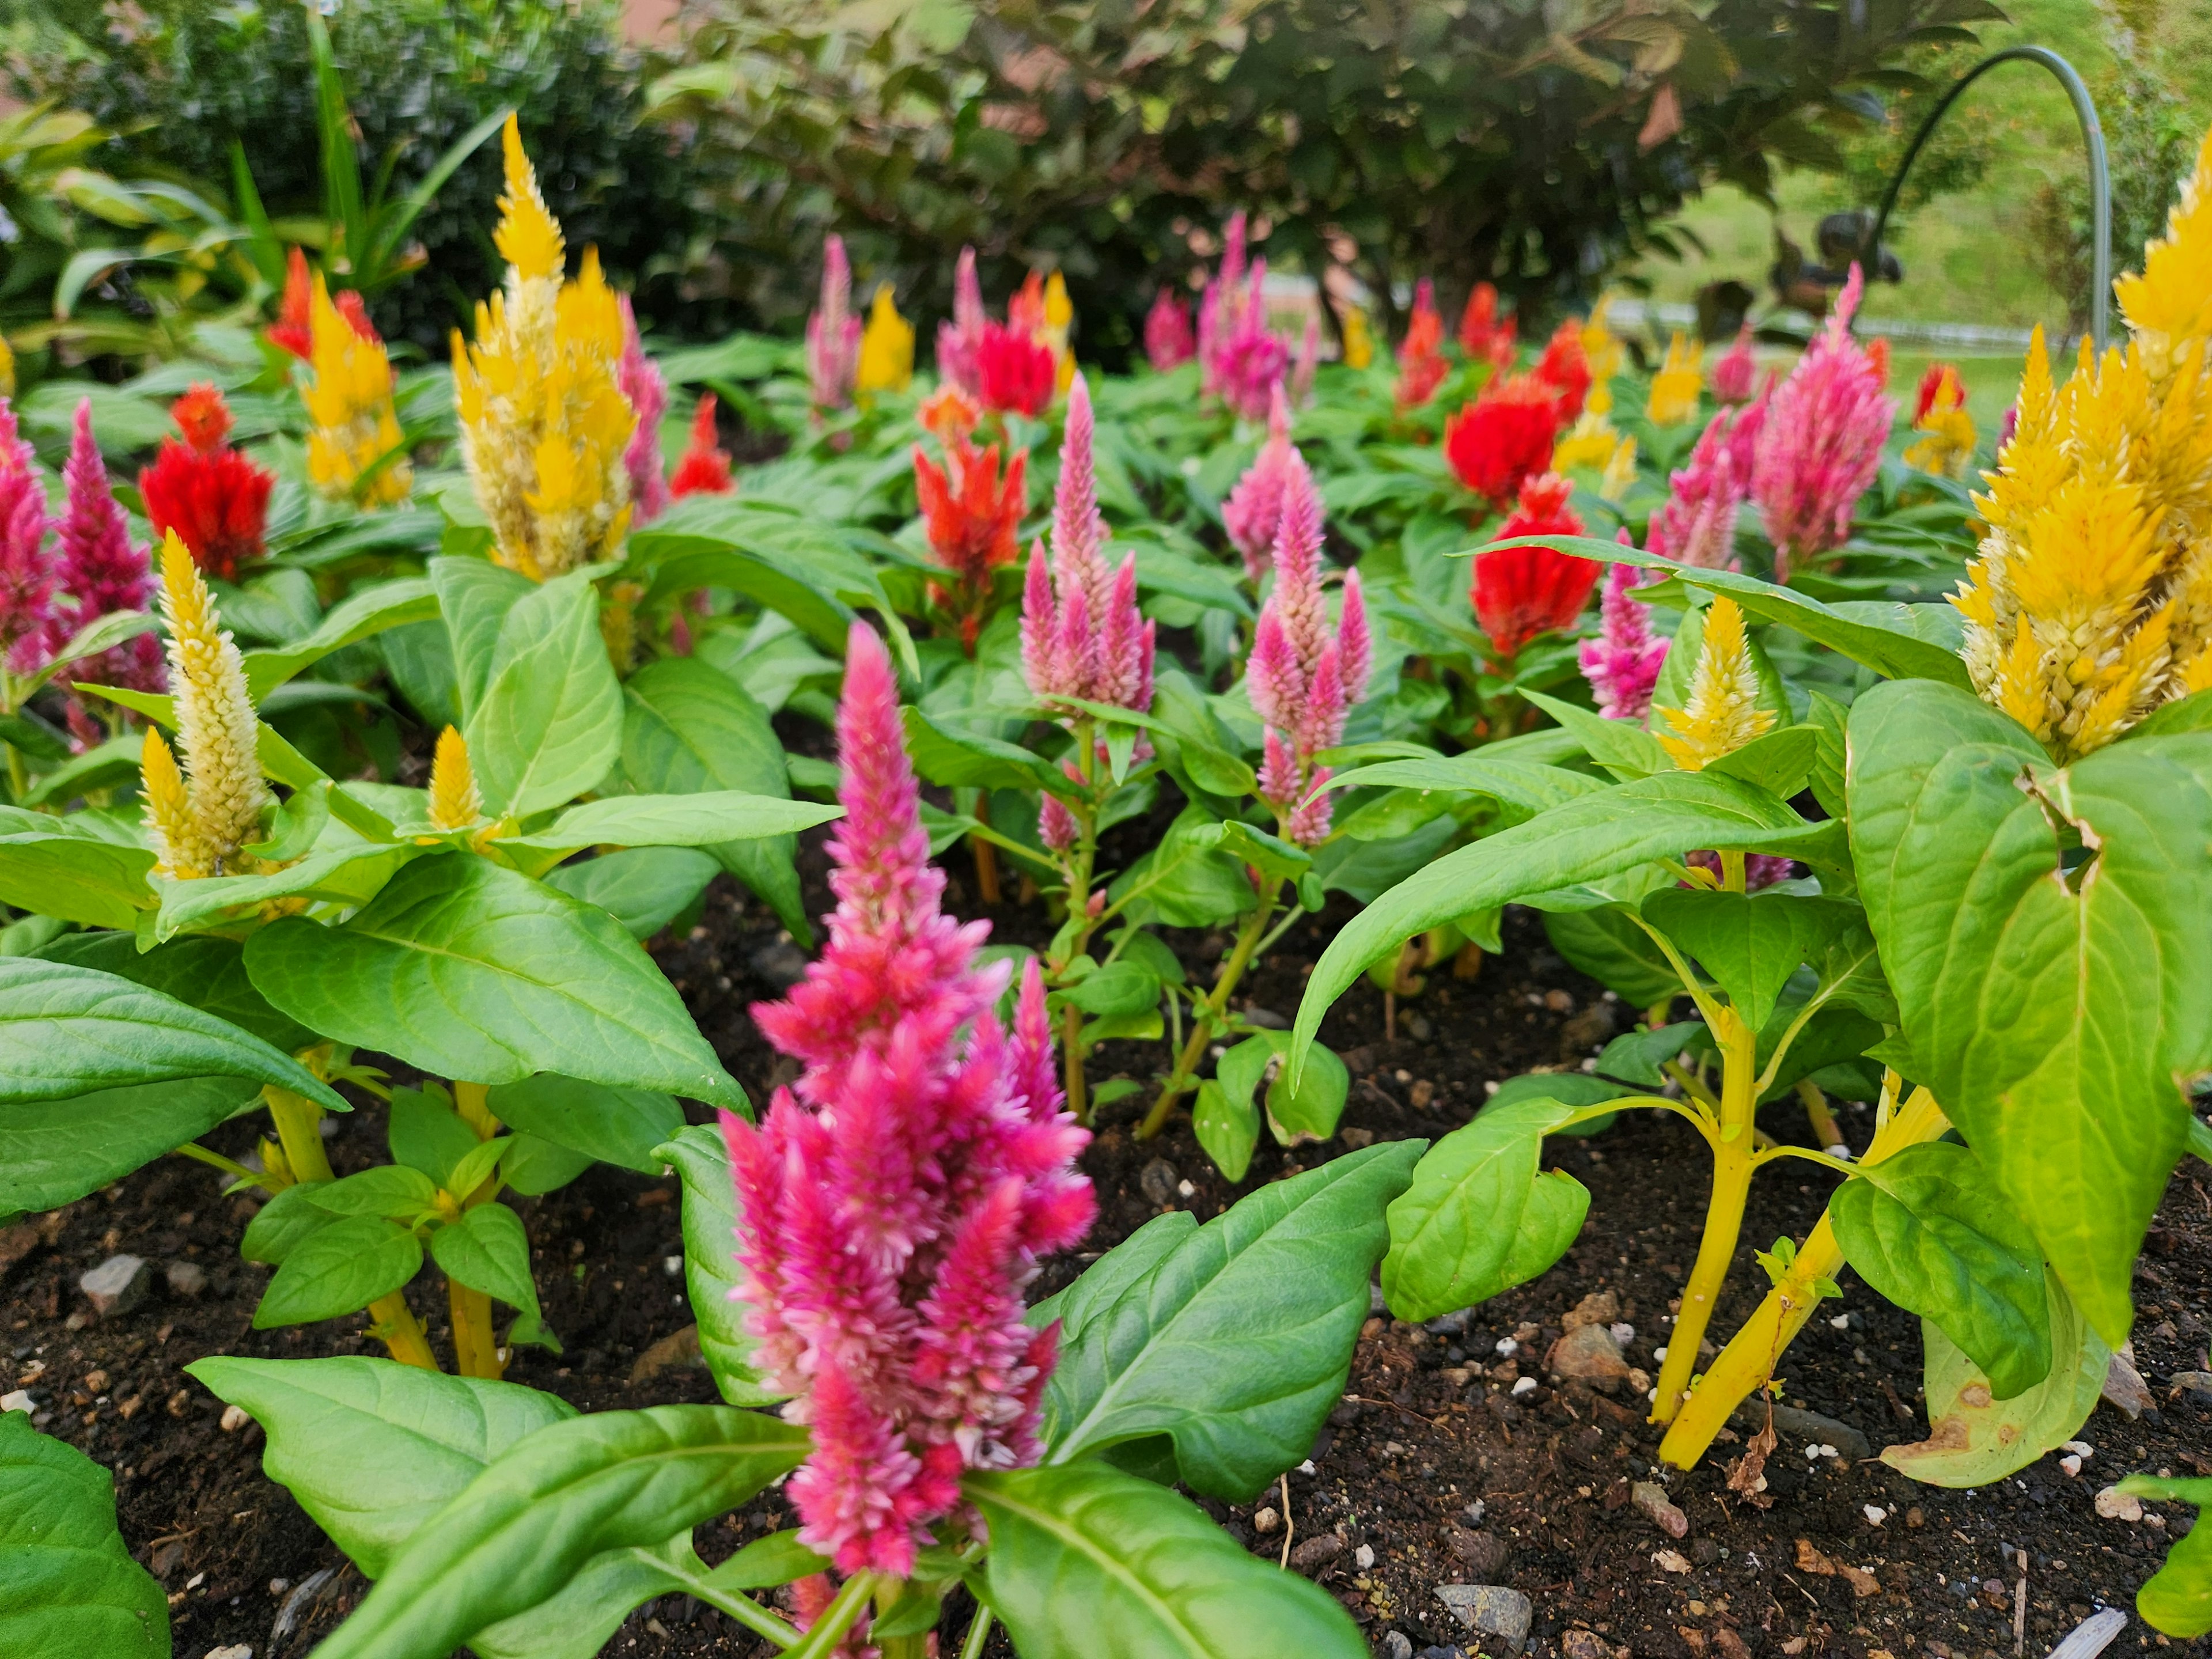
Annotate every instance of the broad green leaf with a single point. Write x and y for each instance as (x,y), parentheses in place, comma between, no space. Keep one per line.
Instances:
(1778,762)
(55,867)
(1585,839)
(1118,987)
(287,1219)
(1181,883)
(1750,942)
(475,596)
(957,757)
(1311,1111)
(534,1166)
(372,1449)
(2177,1598)
(392,1190)
(67,1030)
(1237,1343)
(464,969)
(577,1621)
(643,888)
(1085,1560)
(1270,855)
(365,611)
(688,728)
(615,1126)
(68,1584)
(701,820)
(339,1269)
(349,874)
(1478,1218)
(54,1151)
(1974,1438)
(1622,748)
(1103,1282)
(1609,946)
(2191,714)
(1575,1089)
(1927,1228)
(1528,786)
(710,1263)
(2053,1011)
(208,972)
(1227,1129)
(425,1133)
(96,636)
(1636,1056)
(519,1533)
(487,1250)
(550,723)
(1829,719)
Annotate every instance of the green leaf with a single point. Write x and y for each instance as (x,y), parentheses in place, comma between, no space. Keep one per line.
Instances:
(1779,762)
(550,723)
(701,820)
(1478,1218)
(360,614)
(1575,1089)
(424,1133)
(289,1217)
(643,888)
(2050,1010)
(689,728)
(1622,748)
(615,1126)
(391,1190)
(1927,1228)
(1270,855)
(1585,839)
(54,867)
(532,1166)
(339,1269)
(208,973)
(2177,1598)
(1227,1129)
(68,1584)
(475,596)
(488,1250)
(1118,987)
(1182,884)
(54,1151)
(372,1449)
(710,1265)
(1750,942)
(1975,1437)
(1526,785)
(1311,1111)
(1085,1560)
(464,969)
(1607,945)
(957,757)
(1636,1056)
(1828,719)
(1105,1280)
(101,633)
(520,1530)
(348,874)
(1237,1343)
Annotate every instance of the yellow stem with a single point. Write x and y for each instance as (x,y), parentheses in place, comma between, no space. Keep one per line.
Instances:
(299,1130)
(1070,1049)
(1816,1111)
(469,1103)
(401,1332)
(476,1351)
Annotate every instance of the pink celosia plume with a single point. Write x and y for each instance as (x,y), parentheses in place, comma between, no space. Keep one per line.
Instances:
(1308,365)
(1240,362)
(1821,443)
(643,384)
(1622,663)
(959,339)
(1697,524)
(99,569)
(895,1200)
(833,333)
(1734,371)
(27,566)
(1254,511)
(1169,342)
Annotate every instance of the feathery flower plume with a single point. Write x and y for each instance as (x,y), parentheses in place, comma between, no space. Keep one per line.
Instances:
(704,469)
(27,566)
(1566,368)
(646,389)
(1169,342)
(959,339)
(291,330)
(1676,387)
(1254,511)
(886,348)
(455,801)
(1504,437)
(1059,317)
(1302,679)
(1722,713)
(1358,337)
(1590,444)
(1240,361)
(894,1201)
(98,567)
(833,334)
(1308,364)
(1620,473)
(973,521)
(545,428)
(202,814)
(1522,591)
(1622,663)
(1697,526)
(1734,371)
(1421,366)
(1946,443)
(1013,370)
(1821,445)
(1603,353)
(1483,335)
(350,402)
(204,492)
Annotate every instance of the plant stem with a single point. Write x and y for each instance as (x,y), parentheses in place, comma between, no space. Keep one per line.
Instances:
(401,1332)
(1082,859)
(1206,1015)
(978,1633)
(1071,1048)
(469,1103)
(19,778)
(476,1349)
(1734,1161)
(300,1131)
(986,869)
(820,1640)
(1823,1121)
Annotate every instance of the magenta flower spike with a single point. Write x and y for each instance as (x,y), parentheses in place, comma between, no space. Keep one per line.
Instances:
(833,333)
(895,1200)
(27,565)
(1308,364)
(1734,371)
(1696,525)
(1253,512)
(961,338)
(99,569)
(1622,663)
(1821,443)
(643,384)
(1168,340)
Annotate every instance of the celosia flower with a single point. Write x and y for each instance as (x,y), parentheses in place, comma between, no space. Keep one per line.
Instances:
(704,468)
(545,428)
(1946,443)
(26,567)
(350,402)
(291,332)
(961,338)
(1697,526)
(833,334)
(1483,335)
(1302,679)
(1622,663)
(1308,364)
(1734,371)
(1059,319)
(204,492)
(1821,443)
(1240,361)
(1504,437)
(1620,474)
(1421,366)
(886,348)
(1359,339)
(199,817)
(1565,367)
(1722,714)
(1012,371)
(1590,444)
(973,521)
(1026,308)
(895,1200)
(1169,342)
(1522,591)
(948,414)
(646,388)
(1603,353)
(1675,388)
(98,567)
(1218,304)
(1253,512)
(1760,869)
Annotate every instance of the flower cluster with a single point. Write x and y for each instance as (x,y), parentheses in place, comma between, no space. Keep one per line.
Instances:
(1421,365)
(1522,591)
(1564,366)
(199,817)
(350,400)
(1482,334)
(886,361)
(1253,512)
(204,492)
(1696,525)
(1169,342)
(833,333)
(1622,663)
(971,516)
(646,389)
(1302,679)
(1820,445)
(894,1201)
(1722,712)
(26,570)
(1014,373)
(97,566)
(960,336)
(545,428)
(1733,372)
(1504,437)
(294,331)
(1945,443)
(1240,362)
(1358,337)
(703,468)
(2091,602)
(1676,387)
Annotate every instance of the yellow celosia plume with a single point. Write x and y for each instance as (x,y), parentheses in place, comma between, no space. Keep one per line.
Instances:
(1602,351)
(1059,318)
(1359,339)
(1946,443)
(349,401)
(200,816)
(1620,473)
(2091,603)
(886,347)
(455,802)
(1589,443)
(544,422)
(1722,712)
(1680,379)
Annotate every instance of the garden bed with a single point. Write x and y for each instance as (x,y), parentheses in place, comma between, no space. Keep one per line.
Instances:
(1432,1462)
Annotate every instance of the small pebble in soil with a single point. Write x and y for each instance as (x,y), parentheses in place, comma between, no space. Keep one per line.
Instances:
(1507,1348)
(18,1400)
(1651,1500)
(1491,1609)
(241,1651)
(2116,1505)
(1309,1555)
(235,1417)
(1364,1557)
(115,1286)
(1158,1179)
(1527,1385)
(186,1278)
(1265,1520)
(1394,1645)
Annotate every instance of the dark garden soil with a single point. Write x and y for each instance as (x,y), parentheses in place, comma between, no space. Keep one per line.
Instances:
(1432,1471)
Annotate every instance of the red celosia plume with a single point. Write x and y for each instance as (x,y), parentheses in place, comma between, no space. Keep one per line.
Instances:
(215,498)
(1483,335)
(1522,591)
(973,520)
(1421,365)
(1504,437)
(704,469)
(1013,370)
(1564,366)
